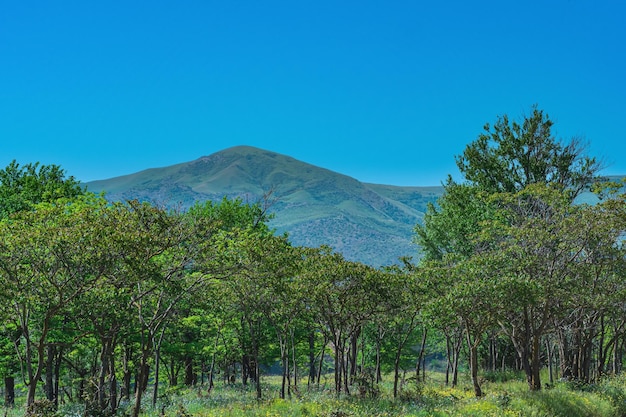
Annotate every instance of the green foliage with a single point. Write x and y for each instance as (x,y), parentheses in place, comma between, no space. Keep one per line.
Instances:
(510,156)
(22,187)
(233,213)
(561,403)
(506,247)
(449,228)
(412,391)
(614,389)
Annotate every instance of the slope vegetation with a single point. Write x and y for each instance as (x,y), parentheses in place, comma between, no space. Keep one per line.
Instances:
(370,223)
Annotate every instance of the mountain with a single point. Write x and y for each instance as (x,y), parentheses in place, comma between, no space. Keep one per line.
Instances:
(370,223)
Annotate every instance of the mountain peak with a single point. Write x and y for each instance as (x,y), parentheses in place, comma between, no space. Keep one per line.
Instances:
(368,223)
(239,150)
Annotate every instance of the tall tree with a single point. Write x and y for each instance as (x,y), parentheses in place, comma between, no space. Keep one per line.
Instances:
(506,160)
(162,248)
(248,263)
(48,259)
(509,156)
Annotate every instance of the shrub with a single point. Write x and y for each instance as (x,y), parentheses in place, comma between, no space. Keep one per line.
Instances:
(412,391)
(614,390)
(41,408)
(366,383)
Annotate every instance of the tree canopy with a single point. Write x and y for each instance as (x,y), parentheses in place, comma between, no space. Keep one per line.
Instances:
(513,219)
(21,187)
(511,155)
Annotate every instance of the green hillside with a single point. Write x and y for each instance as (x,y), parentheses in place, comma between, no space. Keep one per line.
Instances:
(370,223)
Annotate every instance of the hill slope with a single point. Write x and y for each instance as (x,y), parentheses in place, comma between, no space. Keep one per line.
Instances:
(370,223)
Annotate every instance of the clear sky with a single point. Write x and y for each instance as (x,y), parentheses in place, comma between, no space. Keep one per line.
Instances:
(384,91)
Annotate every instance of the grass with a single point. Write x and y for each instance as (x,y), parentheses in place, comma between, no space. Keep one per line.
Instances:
(510,398)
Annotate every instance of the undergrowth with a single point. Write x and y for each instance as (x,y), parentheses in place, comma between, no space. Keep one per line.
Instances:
(510,398)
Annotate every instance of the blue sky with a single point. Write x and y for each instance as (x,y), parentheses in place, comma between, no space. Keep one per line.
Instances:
(384,91)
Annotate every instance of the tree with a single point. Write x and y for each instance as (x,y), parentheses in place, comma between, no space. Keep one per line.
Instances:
(161,249)
(9,364)
(550,263)
(510,156)
(506,158)
(48,259)
(463,292)
(450,227)
(517,176)
(342,296)
(22,187)
(252,267)
(259,285)
(400,314)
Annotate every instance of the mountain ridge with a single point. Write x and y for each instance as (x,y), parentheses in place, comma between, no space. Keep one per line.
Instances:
(370,223)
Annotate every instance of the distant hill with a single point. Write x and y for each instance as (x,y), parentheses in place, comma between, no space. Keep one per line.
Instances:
(370,223)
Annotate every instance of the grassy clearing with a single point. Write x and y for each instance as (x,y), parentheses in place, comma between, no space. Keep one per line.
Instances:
(510,398)
(433,398)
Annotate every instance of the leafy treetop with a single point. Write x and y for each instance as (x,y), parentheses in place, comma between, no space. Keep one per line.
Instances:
(509,156)
(22,187)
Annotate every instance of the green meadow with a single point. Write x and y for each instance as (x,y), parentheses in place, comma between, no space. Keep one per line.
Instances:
(428,398)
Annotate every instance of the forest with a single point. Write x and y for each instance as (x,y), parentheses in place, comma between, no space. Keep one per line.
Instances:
(106,303)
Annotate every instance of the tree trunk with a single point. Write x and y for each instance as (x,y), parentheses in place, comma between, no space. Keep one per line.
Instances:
(190,376)
(449,358)
(57,375)
(564,353)
(337,371)
(157,367)
(211,372)
(49,384)
(112,385)
(377,371)
(36,376)
(126,374)
(473,363)
(418,364)
(617,359)
(9,391)
(104,369)
(257,372)
(354,339)
(346,379)
(320,365)
(396,372)
(142,381)
(535,380)
(245,369)
(312,370)
(493,350)
(455,366)
(294,364)
(284,364)
(550,370)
